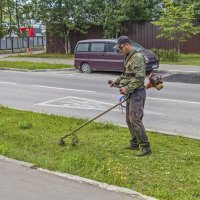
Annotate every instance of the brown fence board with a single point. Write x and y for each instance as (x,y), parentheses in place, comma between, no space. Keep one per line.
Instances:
(143,33)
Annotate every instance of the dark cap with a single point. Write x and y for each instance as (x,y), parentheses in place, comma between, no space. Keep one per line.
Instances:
(122,40)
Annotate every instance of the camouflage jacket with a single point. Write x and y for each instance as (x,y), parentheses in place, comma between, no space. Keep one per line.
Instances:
(134,73)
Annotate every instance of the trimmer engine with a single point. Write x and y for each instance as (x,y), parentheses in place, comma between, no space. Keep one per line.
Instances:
(155,81)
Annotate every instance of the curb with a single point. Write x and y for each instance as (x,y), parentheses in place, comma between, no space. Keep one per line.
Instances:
(72,69)
(37,70)
(81,180)
(176,72)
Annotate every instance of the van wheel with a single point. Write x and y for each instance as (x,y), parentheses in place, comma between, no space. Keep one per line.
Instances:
(85,68)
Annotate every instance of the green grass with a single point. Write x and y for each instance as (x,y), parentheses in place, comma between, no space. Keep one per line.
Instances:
(32,66)
(171,172)
(185,59)
(45,55)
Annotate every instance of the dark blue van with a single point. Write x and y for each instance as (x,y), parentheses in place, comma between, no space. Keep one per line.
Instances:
(100,55)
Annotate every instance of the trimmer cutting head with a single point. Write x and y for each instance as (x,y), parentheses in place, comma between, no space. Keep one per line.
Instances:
(61,142)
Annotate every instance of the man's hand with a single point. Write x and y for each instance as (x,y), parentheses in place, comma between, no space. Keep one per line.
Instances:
(149,85)
(123,91)
(112,83)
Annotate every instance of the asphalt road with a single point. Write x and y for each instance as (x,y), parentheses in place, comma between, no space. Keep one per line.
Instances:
(173,110)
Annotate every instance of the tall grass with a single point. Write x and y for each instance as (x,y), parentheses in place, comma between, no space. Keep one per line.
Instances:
(171,172)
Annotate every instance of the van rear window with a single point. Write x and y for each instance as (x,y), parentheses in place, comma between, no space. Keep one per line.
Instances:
(82,47)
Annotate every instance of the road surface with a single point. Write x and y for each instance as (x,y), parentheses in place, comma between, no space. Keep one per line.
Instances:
(174,110)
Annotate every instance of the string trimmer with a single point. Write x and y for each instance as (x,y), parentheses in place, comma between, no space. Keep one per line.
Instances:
(74,138)
(154,81)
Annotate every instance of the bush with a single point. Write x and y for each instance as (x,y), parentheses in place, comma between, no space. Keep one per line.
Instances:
(166,54)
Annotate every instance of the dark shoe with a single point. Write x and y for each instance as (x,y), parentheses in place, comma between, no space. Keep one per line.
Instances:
(144,152)
(132,147)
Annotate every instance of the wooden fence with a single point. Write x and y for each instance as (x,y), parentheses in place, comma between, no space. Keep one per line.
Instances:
(143,33)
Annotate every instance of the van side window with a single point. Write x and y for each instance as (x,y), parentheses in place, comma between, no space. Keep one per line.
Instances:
(82,47)
(98,47)
(110,47)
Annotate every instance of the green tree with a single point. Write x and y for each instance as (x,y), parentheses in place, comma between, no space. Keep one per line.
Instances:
(143,10)
(18,13)
(112,19)
(10,14)
(64,16)
(2,18)
(196,4)
(115,12)
(175,23)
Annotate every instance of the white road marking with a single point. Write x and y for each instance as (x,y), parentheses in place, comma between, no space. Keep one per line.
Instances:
(77,102)
(72,74)
(183,71)
(83,103)
(67,74)
(88,91)
(68,89)
(154,113)
(43,86)
(174,100)
(3,82)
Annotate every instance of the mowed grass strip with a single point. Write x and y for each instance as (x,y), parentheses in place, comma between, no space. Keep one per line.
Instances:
(171,172)
(32,66)
(46,55)
(184,59)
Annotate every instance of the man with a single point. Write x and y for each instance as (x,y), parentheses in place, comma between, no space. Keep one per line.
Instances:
(132,82)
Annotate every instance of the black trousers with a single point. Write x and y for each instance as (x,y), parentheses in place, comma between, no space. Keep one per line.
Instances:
(134,115)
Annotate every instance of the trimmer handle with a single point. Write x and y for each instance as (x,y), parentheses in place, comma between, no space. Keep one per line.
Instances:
(117,86)
(109,82)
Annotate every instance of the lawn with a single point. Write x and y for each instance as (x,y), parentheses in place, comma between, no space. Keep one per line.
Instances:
(171,172)
(185,59)
(45,55)
(32,65)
